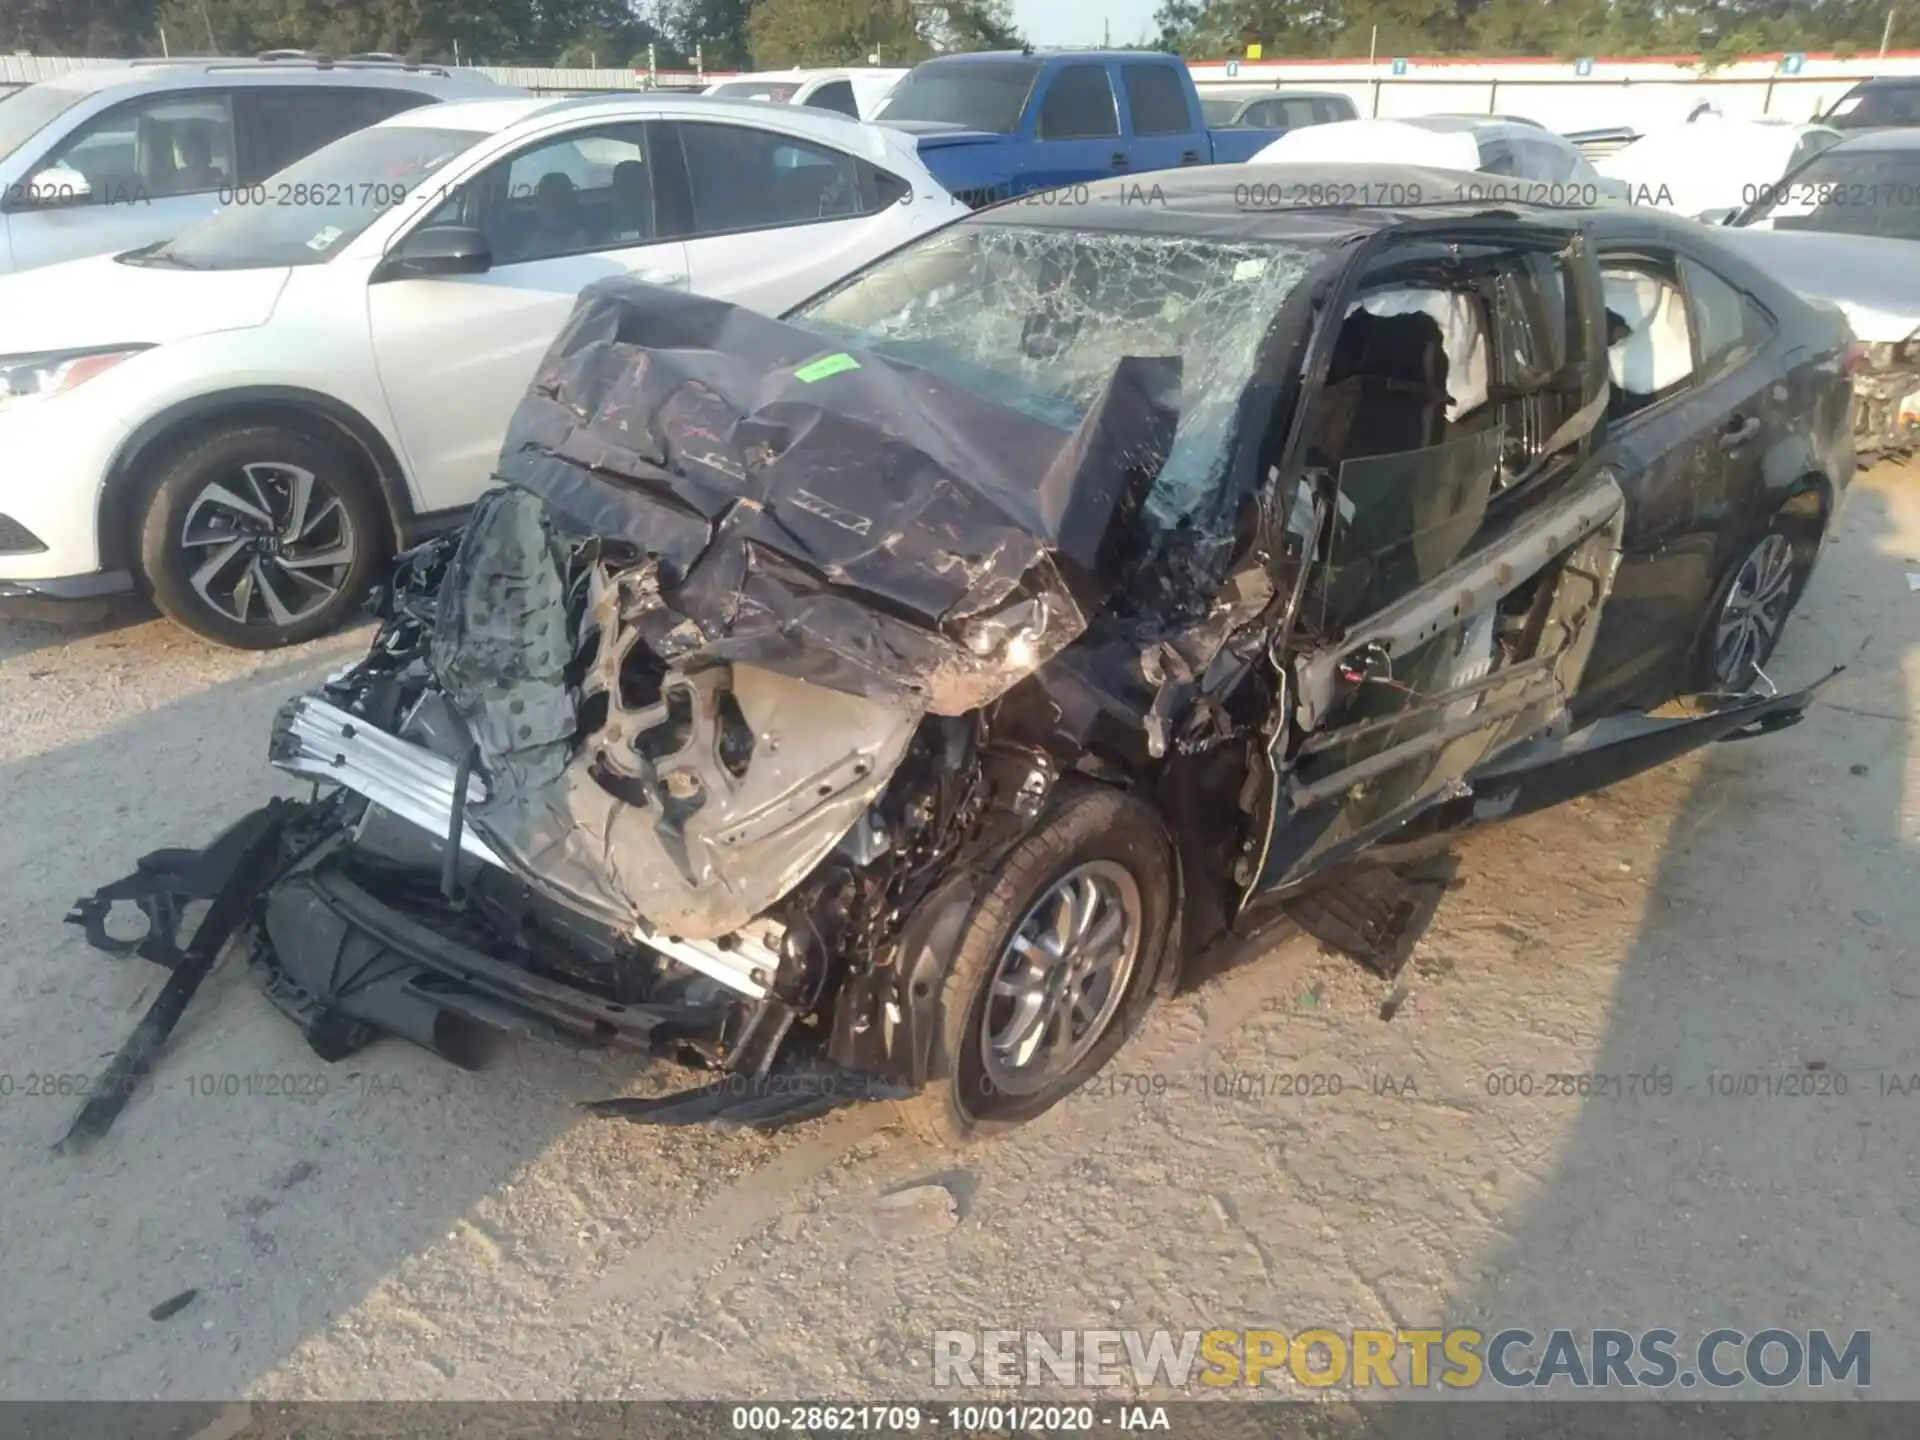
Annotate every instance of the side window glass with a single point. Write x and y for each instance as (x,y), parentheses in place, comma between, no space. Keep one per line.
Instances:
(281,125)
(1295,113)
(1729,327)
(153,148)
(1810,145)
(1557,163)
(837,97)
(1079,105)
(1404,423)
(746,179)
(591,190)
(1497,158)
(1649,339)
(1156,99)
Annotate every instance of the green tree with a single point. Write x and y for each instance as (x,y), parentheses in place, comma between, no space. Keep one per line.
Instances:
(715,29)
(77,27)
(783,33)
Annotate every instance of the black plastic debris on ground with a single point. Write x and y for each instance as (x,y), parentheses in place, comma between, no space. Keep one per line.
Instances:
(755,1102)
(173,1305)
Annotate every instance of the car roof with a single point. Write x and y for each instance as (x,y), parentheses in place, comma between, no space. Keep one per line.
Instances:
(1226,202)
(1889,82)
(1100,57)
(1901,138)
(491,117)
(194,74)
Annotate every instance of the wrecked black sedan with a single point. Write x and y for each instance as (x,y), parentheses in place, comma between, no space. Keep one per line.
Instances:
(896,698)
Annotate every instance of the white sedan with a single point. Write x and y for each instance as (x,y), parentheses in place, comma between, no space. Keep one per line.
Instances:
(1711,167)
(246,420)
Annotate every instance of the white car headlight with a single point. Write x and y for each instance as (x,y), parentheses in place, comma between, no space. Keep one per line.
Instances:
(26,377)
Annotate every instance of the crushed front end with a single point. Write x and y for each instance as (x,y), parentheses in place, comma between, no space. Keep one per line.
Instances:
(680,744)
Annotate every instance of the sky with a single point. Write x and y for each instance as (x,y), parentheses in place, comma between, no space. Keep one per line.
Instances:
(1080,22)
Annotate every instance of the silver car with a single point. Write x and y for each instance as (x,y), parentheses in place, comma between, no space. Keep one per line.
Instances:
(109,159)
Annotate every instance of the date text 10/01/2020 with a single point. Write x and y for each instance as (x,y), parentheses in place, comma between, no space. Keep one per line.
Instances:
(814,1419)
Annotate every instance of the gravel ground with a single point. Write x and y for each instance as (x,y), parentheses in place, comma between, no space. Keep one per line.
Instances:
(395,1229)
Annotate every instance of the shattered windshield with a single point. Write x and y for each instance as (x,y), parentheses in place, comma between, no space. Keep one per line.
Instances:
(1037,318)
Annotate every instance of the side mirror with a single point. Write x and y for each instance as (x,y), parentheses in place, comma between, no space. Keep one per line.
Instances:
(437,250)
(56,185)
(1722,216)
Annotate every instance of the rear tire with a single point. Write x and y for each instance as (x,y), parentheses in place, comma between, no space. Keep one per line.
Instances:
(1072,929)
(1754,600)
(260,537)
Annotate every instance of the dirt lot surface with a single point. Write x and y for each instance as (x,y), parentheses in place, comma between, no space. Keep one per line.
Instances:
(396,1229)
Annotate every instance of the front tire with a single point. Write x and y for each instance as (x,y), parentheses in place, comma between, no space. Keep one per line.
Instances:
(1055,968)
(260,537)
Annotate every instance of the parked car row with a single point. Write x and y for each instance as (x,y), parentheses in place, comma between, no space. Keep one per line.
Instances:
(897,697)
(101,160)
(244,419)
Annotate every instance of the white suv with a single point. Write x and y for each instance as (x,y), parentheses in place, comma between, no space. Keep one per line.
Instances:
(104,159)
(246,420)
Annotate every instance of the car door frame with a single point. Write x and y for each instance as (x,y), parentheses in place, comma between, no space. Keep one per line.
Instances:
(1042,167)
(1159,149)
(1688,517)
(1555,509)
(677,178)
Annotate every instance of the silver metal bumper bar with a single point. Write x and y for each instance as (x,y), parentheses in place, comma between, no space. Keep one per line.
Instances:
(323,742)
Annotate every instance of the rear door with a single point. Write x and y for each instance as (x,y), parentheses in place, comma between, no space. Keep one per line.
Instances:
(153,165)
(1077,135)
(1696,401)
(771,219)
(1161,115)
(456,352)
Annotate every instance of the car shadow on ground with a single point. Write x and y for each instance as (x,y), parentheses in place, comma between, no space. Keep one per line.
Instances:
(27,629)
(1749,1125)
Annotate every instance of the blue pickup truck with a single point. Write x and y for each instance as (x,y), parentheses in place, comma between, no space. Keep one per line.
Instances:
(1003,123)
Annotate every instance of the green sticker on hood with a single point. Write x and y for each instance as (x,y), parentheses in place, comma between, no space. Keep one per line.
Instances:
(821,369)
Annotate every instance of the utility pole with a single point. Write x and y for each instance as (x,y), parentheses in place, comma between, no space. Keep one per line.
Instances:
(1886,35)
(1106,35)
(1373,46)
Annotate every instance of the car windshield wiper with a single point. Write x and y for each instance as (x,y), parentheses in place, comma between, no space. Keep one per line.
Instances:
(155,255)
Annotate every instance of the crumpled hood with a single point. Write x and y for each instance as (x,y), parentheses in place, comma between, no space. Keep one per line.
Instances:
(827,514)
(1873,279)
(98,301)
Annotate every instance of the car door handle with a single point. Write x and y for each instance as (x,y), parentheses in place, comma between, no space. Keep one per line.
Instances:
(1119,159)
(1739,432)
(1189,157)
(677,279)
